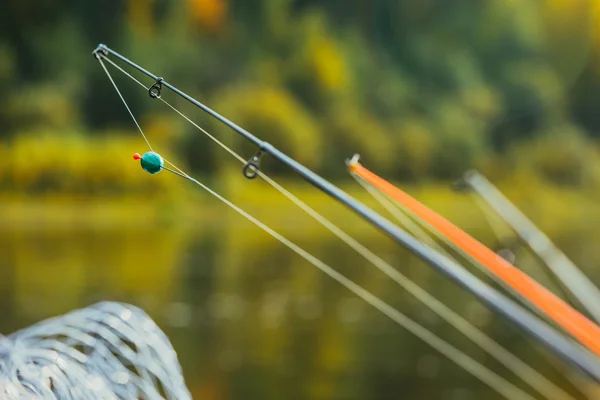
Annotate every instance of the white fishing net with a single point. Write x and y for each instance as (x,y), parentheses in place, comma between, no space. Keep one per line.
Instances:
(106,351)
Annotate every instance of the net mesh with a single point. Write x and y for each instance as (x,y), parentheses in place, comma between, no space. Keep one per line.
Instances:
(106,351)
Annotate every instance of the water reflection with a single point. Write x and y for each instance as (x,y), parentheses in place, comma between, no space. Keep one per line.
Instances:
(248,318)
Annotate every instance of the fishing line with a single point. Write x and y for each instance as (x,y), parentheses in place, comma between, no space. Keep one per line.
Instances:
(125,103)
(487,376)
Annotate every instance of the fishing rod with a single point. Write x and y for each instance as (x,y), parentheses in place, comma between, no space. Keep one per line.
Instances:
(558,343)
(571,320)
(564,269)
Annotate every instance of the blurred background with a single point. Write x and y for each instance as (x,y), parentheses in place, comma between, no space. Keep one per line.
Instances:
(423,89)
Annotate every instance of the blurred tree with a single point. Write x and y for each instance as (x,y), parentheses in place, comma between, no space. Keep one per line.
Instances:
(321,79)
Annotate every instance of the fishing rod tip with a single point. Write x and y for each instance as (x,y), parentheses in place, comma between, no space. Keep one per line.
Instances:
(351,162)
(463,184)
(100,49)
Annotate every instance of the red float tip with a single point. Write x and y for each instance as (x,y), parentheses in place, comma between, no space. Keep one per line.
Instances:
(136,156)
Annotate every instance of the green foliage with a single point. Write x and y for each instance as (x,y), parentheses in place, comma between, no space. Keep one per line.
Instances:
(423,90)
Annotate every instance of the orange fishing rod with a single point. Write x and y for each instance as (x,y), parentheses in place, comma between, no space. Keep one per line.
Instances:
(587,332)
